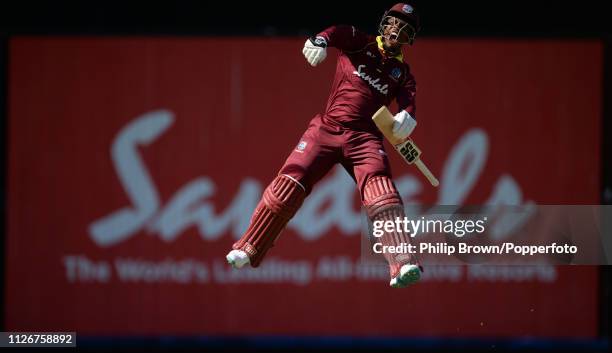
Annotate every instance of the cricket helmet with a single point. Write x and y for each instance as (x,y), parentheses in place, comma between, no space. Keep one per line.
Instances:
(406,13)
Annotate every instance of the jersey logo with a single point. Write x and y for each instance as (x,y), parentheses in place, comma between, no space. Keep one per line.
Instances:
(374,82)
(396,73)
(301,146)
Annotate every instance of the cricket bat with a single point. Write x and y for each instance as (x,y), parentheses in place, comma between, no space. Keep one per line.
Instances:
(407,149)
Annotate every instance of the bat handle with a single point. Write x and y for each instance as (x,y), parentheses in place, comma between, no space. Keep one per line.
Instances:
(423,168)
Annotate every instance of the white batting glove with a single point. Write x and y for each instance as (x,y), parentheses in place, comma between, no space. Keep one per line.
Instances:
(315,50)
(403,125)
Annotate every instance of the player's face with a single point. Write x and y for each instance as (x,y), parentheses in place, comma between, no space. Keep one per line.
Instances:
(395,32)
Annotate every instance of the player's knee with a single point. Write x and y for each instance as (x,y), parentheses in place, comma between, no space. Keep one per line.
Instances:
(298,174)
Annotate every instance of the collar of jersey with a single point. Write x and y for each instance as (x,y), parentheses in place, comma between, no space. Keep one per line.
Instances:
(399,56)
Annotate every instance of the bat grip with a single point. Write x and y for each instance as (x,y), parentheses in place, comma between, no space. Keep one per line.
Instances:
(423,168)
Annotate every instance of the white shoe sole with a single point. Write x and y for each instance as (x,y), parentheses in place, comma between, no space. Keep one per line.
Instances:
(237,258)
(408,275)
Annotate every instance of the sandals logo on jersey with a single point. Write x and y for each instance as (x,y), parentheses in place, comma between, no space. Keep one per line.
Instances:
(301,146)
(374,82)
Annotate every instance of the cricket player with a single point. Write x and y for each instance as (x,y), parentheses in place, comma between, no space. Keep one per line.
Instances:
(370,72)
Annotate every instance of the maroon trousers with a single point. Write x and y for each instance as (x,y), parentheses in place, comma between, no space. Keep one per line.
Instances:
(325,143)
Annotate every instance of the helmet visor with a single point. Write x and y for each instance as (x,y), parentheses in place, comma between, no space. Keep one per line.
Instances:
(396,29)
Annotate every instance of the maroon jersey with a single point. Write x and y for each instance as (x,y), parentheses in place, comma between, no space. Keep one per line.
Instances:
(365,79)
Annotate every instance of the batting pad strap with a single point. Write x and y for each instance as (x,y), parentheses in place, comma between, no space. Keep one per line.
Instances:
(295,181)
(380,195)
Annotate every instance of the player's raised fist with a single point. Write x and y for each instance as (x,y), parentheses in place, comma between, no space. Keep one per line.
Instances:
(315,50)
(403,125)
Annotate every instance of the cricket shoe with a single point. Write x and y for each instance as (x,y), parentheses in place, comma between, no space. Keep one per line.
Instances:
(237,258)
(408,274)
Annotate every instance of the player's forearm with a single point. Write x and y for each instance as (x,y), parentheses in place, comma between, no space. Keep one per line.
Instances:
(406,98)
(340,36)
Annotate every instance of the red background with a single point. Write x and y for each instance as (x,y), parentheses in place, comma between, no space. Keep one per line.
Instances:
(240,105)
